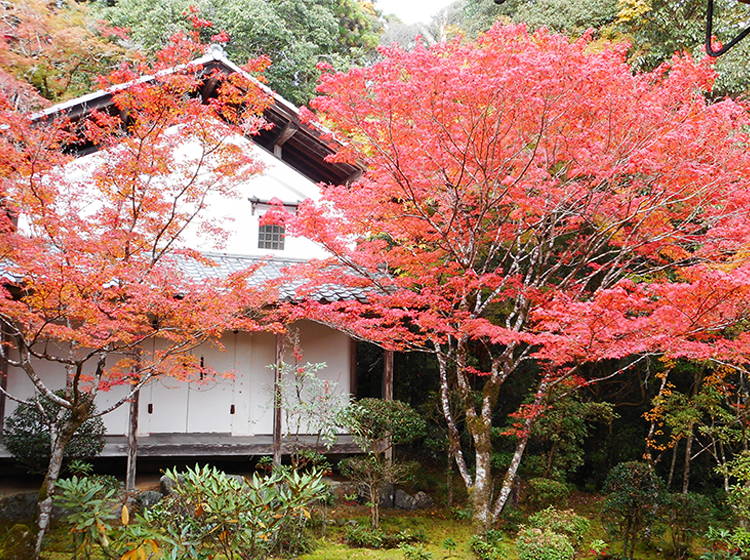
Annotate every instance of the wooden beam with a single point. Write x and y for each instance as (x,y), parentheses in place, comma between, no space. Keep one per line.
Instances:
(277,399)
(289,130)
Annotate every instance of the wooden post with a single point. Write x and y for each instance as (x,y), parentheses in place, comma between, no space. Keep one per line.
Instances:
(277,400)
(353,368)
(3,376)
(388,375)
(388,390)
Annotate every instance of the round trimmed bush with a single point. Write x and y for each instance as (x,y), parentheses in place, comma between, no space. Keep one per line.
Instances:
(26,435)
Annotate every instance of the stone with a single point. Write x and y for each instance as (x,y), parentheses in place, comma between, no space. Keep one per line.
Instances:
(423,501)
(148,499)
(167,484)
(404,501)
(19,507)
(387,497)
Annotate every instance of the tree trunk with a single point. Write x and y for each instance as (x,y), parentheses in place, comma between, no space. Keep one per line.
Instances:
(132,442)
(279,361)
(49,486)
(510,477)
(672,466)
(688,451)
(481,493)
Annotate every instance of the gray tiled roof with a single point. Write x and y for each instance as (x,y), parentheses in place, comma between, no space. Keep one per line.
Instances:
(272,268)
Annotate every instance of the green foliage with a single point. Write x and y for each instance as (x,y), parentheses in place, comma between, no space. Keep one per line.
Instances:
(207,514)
(415,552)
(311,405)
(371,421)
(26,434)
(544,492)
(565,522)
(631,508)
(561,431)
(210,513)
(376,425)
(361,536)
(738,496)
(485,547)
(90,509)
(723,545)
(295,34)
(688,516)
(543,544)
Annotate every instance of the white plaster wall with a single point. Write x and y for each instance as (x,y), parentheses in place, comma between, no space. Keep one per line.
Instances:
(53,377)
(243,379)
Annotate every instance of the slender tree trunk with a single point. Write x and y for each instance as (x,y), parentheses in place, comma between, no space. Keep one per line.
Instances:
(688,452)
(672,466)
(57,449)
(132,442)
(279,361)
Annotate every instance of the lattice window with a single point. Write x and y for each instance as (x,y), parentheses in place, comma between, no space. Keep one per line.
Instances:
(271,237)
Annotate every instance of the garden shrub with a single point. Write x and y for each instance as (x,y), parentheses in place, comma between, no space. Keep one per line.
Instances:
(207,515)
(545,492)
(688,516)
(412,552)
(534,543)
(565,522)
(634,494)
(26,435)
(360,536)
(486,547)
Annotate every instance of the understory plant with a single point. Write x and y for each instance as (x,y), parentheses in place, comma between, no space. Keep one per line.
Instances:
(377,426)
(207,514)
(634,495)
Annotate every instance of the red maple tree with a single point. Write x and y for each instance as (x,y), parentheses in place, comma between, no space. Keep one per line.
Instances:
(529,200)
(94,268)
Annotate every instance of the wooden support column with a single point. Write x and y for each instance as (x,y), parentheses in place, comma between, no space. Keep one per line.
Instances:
(3,375)
(388,391)
(388,375)
(277,399)
(352,368)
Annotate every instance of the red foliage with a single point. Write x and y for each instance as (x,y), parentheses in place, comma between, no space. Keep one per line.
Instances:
(539,201)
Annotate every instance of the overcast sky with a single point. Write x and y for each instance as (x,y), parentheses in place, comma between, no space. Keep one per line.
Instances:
(412,11)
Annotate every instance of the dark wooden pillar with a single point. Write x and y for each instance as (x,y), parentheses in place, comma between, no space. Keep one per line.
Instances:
(388,375)
(3,376)
(277,399)
(388,390)
(353,368)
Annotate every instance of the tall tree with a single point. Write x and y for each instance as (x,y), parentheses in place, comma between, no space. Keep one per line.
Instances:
(57,47)
(295,34)
(529,201)
(93,271)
